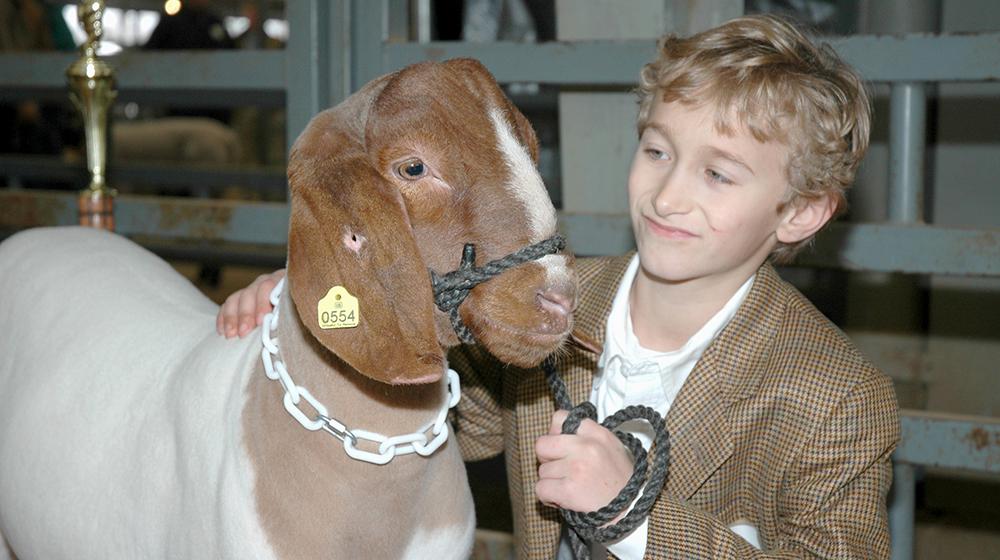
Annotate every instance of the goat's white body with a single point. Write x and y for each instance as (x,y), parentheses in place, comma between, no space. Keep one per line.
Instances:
(122,413)
(118,442)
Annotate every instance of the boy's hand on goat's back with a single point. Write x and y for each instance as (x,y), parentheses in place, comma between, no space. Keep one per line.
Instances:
(582,471)
(244,309)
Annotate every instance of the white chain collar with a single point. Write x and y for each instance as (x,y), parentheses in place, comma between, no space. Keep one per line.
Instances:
(388,446)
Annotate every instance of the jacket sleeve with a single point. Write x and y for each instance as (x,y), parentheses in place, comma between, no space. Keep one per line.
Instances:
(832,503)
(477,418)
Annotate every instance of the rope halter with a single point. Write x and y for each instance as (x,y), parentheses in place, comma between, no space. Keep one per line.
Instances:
(451,289)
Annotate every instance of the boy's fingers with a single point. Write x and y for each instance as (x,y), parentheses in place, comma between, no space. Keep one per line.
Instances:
(590,429)
(550,491)
(226,321)
(552,469)
(262,305)
(246,309)
(551,448)
(555,427)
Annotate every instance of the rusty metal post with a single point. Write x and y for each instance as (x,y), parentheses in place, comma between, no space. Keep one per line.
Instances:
(91,82)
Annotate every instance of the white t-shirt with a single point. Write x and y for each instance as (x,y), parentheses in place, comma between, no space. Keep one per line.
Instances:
(628,374)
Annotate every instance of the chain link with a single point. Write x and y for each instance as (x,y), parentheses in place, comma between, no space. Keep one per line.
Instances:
(389,447)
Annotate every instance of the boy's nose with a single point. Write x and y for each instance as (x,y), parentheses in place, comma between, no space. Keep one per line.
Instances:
(671,197)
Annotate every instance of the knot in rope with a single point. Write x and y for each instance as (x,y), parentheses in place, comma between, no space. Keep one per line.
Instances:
(451,289)
(589,526)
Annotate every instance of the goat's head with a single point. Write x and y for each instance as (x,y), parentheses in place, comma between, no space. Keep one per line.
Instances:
(392,183)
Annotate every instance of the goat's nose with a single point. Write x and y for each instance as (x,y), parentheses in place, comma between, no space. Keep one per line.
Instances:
(555,302)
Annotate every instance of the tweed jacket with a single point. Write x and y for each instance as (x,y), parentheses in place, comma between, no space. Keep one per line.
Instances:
(782,424)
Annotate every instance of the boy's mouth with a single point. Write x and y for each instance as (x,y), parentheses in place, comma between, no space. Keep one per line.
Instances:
(670,232)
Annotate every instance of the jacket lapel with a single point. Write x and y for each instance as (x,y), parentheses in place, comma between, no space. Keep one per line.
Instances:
(698,421)
(700,439)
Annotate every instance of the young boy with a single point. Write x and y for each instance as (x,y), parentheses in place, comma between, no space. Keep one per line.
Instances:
(781,431)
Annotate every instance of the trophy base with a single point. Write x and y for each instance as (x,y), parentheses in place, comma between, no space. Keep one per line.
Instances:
(96,208)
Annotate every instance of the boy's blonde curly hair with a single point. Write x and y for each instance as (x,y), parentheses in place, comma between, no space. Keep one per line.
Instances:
(766,74)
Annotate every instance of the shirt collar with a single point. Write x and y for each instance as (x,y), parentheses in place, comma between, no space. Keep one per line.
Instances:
(620,339)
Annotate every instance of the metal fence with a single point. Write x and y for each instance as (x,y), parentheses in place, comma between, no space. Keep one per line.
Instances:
(338,45)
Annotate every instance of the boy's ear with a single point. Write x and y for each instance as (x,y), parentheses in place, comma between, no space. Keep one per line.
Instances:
(803,218)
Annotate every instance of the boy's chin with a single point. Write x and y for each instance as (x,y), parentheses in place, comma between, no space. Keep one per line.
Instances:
(666,269)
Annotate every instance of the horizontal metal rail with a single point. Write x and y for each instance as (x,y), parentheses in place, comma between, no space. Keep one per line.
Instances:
(951,441)
(869,247)
(911,249)
(221,78)
(231,70)
(27,167)
(882,58)
(879,58)
(260,223)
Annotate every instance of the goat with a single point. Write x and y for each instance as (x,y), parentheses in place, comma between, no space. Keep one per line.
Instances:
(129,429)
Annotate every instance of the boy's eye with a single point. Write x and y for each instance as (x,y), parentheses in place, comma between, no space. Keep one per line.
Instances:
(717,177)
(653,153)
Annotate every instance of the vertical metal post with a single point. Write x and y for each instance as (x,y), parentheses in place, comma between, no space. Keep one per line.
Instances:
(369,28)
(901,526)
(907,152)
(422,17)
(907,147)
(317,54)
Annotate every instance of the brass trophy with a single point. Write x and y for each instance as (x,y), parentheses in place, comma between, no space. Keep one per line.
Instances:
(91,83)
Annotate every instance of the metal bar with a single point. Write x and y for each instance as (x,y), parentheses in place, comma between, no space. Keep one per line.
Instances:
(901,510)
(423,18)
(341,51)
(907,143)
(911,249)
(880,58)
(906,248)
(261,223)
(307,56)
(234,70)
(951,441)
(244,254)
(54,168)
(887,248)
(607,63)
(161,96)
(369,27)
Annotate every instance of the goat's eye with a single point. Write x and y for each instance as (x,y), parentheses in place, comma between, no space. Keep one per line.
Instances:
(411,169)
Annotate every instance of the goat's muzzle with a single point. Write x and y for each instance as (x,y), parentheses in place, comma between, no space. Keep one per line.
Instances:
(451,289)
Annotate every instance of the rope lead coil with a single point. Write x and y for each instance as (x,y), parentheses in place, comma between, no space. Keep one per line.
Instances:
(451,289)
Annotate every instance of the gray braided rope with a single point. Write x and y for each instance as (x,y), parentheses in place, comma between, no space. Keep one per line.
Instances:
(450,289)
(589,526)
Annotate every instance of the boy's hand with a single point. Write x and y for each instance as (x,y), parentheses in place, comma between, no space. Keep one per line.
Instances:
(582,471)
(245,309)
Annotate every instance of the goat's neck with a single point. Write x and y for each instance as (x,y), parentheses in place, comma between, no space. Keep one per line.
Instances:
(351,398)
(309,491)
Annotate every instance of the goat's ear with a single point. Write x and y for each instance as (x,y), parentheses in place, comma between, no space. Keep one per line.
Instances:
(349,229)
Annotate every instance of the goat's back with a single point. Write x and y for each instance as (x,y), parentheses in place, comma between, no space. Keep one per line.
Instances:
(110,367)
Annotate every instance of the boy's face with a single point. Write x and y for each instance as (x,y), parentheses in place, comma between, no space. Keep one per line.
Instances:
(705,205)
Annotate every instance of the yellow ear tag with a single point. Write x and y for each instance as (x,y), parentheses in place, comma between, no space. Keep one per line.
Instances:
(338,309)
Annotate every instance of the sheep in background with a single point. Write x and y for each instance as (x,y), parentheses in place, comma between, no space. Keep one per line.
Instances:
(129,429)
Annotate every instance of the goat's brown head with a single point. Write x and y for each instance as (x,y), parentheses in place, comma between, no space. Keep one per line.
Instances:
(392,183)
